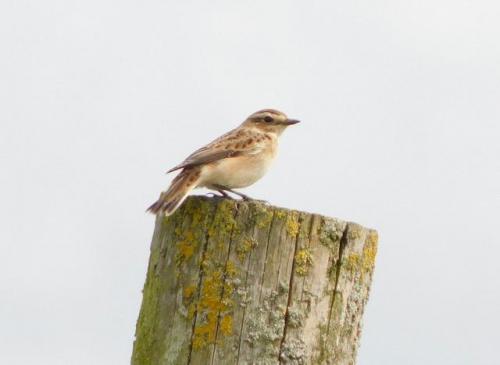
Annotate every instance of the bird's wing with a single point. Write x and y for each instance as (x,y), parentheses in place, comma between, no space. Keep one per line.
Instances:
(232,144)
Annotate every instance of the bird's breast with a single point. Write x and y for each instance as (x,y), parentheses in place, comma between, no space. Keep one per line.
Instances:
(238,172)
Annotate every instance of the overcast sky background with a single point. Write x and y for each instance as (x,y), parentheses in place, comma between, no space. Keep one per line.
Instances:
(400,103)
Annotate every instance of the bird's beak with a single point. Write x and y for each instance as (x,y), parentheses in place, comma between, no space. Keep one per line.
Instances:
(291,121)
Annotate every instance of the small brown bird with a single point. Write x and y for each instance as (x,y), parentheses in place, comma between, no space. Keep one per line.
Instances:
(236,159)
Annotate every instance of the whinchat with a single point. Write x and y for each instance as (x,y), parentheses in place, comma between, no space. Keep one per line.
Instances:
(235,160)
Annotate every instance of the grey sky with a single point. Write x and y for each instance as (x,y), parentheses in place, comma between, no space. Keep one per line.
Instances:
(401,129)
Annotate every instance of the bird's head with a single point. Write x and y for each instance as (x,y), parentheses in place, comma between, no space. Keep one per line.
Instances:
(269,120)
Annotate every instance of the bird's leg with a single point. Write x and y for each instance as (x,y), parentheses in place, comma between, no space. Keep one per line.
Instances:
(241,195)
(222,193)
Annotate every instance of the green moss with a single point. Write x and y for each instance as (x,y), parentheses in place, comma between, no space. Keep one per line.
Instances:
(146,324)
(303,260)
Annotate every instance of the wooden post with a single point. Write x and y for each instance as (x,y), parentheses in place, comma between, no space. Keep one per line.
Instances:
(234,282)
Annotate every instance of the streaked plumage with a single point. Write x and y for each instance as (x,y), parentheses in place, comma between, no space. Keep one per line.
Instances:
(237,159)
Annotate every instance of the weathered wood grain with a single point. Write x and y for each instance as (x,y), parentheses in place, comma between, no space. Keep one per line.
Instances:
(233,282)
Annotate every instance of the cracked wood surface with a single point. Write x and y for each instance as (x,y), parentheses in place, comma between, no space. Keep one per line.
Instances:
(233,282)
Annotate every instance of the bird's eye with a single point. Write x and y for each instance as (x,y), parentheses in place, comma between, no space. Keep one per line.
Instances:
(268,119)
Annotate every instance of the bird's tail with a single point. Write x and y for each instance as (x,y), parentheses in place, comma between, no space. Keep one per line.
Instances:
(170,200)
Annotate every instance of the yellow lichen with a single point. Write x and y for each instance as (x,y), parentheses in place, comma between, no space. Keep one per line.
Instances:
(370,251)
(262,216)
(226,325)
(352,262)
(191,310)
(231,270)
(363,262)
(195,209)
(303,260)
(245,246)
(185,248)
(224,221)
(188,292)
(280,214)
(292,224)
(214,304)
(205,261)
(209,306)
